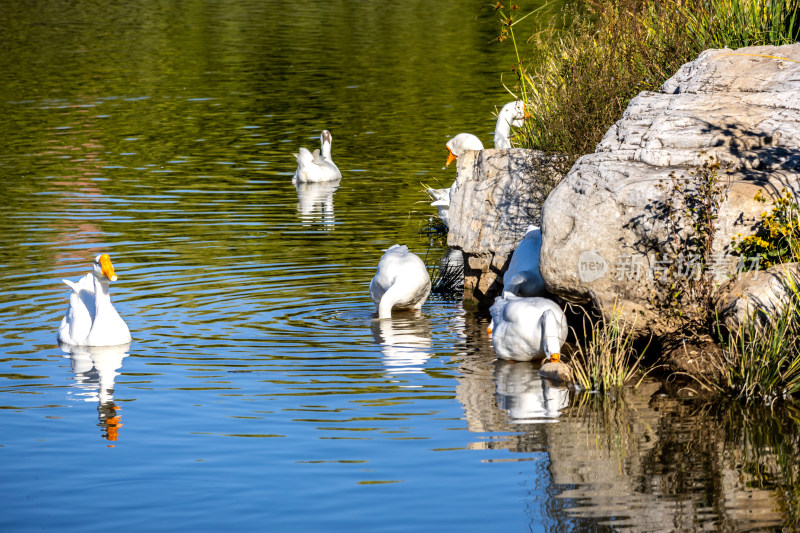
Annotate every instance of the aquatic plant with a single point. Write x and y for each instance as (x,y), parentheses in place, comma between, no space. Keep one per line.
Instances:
(447,278)
(604,357)
(777,236)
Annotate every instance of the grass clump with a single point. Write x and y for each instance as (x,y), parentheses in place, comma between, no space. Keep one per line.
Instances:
(739,23)
(578,74)
(761,358)
(605,358)
(448,276)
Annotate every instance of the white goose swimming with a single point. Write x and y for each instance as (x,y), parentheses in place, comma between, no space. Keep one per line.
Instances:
(91,319)
(524,329)
(512,114)
(318,166)
(523,277)
(402,282)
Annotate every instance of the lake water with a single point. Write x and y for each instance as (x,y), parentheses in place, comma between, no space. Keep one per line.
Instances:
(260,393)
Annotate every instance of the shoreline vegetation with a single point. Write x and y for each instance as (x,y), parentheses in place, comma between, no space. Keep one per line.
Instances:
(577,76)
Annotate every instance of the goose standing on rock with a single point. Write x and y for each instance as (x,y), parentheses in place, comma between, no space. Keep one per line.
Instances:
(402,282)
(523,277)
(91,319)
(524,329)
(512,114)
(318,166)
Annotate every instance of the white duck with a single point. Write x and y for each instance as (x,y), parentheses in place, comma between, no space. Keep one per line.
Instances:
(523,277)
(402,282)
(512,114)
(524,329)
(318,166)
(91,319)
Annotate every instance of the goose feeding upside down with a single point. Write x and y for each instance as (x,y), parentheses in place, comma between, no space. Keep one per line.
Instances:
(401,282)
(317,166)
(527,329)
(523,277)
(91,319)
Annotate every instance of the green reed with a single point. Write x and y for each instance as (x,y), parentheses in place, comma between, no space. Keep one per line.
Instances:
(738,23)
(579,73)
(761,359)
(605,357)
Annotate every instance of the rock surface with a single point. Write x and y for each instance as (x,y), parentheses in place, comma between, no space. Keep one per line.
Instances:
(497,194)
(757,294)
(557,371)
(601,232)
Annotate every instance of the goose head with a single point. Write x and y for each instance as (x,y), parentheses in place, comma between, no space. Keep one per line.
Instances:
(513,113)
(103,269)
(326,139)
(551,343)
(461,144)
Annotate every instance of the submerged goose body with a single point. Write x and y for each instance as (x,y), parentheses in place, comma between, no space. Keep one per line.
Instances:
(523,277)
(527,329)
(317,166)
(441,201)
(91,319)
(401,282)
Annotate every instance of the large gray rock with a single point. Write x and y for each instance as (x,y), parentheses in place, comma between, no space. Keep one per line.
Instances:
(758,295)
(602,238)
(497,194)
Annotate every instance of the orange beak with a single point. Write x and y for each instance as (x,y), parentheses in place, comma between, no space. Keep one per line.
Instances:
(107,268)
(527,113)
(450,158)
(554,358)
(489,329)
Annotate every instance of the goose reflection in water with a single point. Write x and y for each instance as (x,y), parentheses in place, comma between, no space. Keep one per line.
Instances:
(95,368)
(315,201)
(405,342)
(526,396)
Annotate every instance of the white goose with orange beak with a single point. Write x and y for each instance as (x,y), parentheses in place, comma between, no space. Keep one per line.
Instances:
(91,319)
(460,145)
(527,329)
(512,114)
